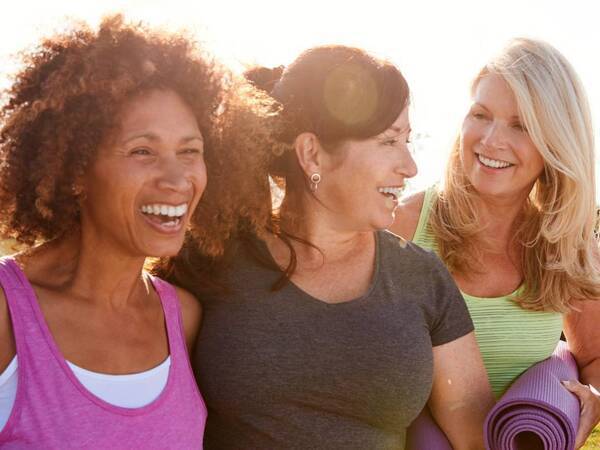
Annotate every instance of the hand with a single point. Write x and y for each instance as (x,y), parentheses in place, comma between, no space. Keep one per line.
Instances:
(589,398)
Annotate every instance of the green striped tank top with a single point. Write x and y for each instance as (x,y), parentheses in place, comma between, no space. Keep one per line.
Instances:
(511,338)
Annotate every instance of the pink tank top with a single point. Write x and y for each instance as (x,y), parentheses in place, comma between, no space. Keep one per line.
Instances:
(53,410)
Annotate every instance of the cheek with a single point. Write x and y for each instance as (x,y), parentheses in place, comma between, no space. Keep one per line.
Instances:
(464,150)
(532,158)
(469,135)
(537,163)
(199,179)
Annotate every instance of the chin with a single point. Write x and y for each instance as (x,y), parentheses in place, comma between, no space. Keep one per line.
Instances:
(484,187)
(383,223)
(163,251)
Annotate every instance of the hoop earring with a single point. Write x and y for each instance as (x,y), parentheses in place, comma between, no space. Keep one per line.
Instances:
(315,179)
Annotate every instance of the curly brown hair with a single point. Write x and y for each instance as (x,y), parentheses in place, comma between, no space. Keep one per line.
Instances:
(64,102)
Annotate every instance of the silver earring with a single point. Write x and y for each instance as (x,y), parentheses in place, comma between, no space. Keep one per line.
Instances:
(315,179)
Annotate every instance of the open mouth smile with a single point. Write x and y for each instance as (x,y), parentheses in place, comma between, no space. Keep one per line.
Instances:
(163,217)
(493,163)
(392,192)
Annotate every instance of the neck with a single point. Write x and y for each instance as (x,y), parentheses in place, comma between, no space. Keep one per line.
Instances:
(87,268)
(500,218)
(308,219)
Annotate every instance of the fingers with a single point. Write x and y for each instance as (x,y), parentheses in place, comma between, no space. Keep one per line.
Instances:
(590,409)
(574,386)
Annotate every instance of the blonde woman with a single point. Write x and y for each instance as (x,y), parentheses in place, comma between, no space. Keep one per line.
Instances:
(514,221)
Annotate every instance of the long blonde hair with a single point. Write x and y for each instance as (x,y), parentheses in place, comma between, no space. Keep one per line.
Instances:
(560,253)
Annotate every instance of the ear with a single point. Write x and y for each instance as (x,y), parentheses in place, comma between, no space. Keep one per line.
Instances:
(309,153)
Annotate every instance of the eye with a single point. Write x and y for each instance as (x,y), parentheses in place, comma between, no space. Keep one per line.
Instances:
(478,115)
(141,151)
(192,151)
(519,127)
(391,142)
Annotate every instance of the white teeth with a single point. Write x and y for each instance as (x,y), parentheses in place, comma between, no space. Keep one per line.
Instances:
(165,210)
(493,163)
(396,191)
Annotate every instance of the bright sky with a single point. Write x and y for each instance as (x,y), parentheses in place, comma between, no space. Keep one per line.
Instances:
(439,45)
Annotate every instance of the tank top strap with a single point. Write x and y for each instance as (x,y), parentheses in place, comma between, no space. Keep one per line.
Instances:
(20,297)
(173,318)
(424,236)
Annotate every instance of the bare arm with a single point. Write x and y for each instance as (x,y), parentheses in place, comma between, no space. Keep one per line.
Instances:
(7,341)
(407,216)
(461,395)
(582,330)
(191,310)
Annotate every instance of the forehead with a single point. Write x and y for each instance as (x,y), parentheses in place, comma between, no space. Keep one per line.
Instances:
(402,122)
(492,91)
(156,108)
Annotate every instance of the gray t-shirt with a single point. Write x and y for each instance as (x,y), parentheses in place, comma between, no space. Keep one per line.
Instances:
(285,370)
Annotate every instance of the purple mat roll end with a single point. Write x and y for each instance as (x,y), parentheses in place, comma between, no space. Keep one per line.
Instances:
(425,434)
(537,404)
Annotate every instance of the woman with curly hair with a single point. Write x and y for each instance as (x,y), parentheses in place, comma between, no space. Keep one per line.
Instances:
(516,217)
(331,332)
(105,145)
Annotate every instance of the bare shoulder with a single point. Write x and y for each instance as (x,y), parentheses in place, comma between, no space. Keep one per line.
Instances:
(7,342)
(407,215)
(582,331)
(191,311)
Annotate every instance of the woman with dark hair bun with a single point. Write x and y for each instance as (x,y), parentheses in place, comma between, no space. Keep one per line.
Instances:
(333,333)
(106,140)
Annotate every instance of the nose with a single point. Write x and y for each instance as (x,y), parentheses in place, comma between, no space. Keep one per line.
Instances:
(494,136)
(406,165)
(174,176)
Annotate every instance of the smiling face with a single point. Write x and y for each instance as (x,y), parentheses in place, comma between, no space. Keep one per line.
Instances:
(363,180)
(147,178)
(497,154)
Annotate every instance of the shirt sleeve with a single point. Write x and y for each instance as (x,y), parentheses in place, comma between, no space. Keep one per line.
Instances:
(449,318)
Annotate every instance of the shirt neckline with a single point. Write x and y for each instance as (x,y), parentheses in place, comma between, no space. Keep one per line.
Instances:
(55,351)
(315,300)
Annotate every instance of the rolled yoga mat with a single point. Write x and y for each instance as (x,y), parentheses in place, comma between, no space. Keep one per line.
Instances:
(537,408)
(537,412)
(425,434)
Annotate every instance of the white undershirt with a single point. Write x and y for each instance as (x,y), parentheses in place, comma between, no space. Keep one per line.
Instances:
(127,391)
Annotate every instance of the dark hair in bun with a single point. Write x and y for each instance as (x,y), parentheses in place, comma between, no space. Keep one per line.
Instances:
(336,92)
(264,78)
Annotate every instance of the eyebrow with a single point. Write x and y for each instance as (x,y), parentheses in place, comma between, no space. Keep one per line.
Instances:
(481,105)
(400,130)
(154,138)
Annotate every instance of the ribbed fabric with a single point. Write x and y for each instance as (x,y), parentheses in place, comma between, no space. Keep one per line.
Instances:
(53,410)
(511,338)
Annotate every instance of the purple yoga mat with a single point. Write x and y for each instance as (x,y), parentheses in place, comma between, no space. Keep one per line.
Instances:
(425,434)
(537,405)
